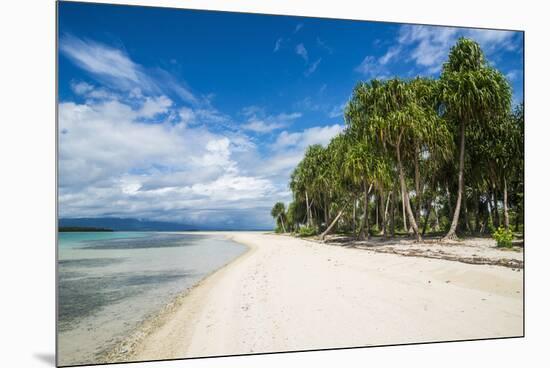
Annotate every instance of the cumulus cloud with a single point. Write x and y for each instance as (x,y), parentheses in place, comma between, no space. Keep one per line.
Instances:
(132,144)
(289,147)
(112,163)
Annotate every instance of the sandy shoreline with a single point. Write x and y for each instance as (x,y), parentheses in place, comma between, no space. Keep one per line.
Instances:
(289,294)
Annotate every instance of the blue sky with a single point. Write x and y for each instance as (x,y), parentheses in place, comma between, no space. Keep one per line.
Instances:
(199,117)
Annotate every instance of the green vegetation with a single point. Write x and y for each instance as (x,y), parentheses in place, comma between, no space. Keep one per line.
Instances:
(503,237)
(74,229)
(421,156)
(307,231)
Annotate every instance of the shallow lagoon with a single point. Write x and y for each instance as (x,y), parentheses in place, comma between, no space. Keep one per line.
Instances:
(110,282)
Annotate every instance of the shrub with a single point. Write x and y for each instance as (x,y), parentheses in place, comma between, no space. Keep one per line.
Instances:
(503,237)
(307,231)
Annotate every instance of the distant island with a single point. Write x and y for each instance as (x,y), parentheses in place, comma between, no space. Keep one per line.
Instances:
(75,229)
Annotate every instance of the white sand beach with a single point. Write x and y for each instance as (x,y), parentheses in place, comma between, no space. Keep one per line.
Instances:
(291,294)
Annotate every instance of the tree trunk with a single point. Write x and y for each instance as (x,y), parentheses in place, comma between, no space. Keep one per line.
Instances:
(406,196)
(436,218)
(466,216)
(478,214)
(417,185)
(405,228)
(452,231)
(325,209)
(385,216)
(489,213)
(505,200)
(429,210)
(325,233)
(496,215)
(365,233)
(308,211)
(392,215)
(376,207)
(353,223)
(449,202)
(282,222)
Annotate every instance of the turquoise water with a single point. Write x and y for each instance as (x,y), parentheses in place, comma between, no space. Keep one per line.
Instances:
(110,282)
(74,239)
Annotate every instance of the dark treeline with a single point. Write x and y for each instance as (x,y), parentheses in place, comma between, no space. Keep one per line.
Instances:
(421,156)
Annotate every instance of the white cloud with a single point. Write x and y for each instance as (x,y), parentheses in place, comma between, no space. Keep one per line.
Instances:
(278,44)
(298,27)
(391,54)
(337,110)
(153,106)
(100,59)
(323,45)
(302,52)
(111,163)
(371,67)
(260,126)
(259,122)
(315,135)
(137,143)
(430,45)
(289,147)
(89,91)
(513,74)
(312,68)
(114,68)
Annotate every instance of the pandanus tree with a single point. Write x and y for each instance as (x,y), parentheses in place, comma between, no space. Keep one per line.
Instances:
(472,93)
(341,187)
(405,133)
(405,122)
(278,213)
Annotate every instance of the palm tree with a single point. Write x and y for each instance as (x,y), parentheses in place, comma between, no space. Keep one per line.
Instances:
(472,93)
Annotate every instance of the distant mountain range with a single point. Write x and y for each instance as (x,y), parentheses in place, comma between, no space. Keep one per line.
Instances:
(131,224)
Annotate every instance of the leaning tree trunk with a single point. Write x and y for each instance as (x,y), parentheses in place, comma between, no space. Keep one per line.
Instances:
(452,231)
(329,228)
(385,215)
(505,200)
(406,196)
(282,222)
